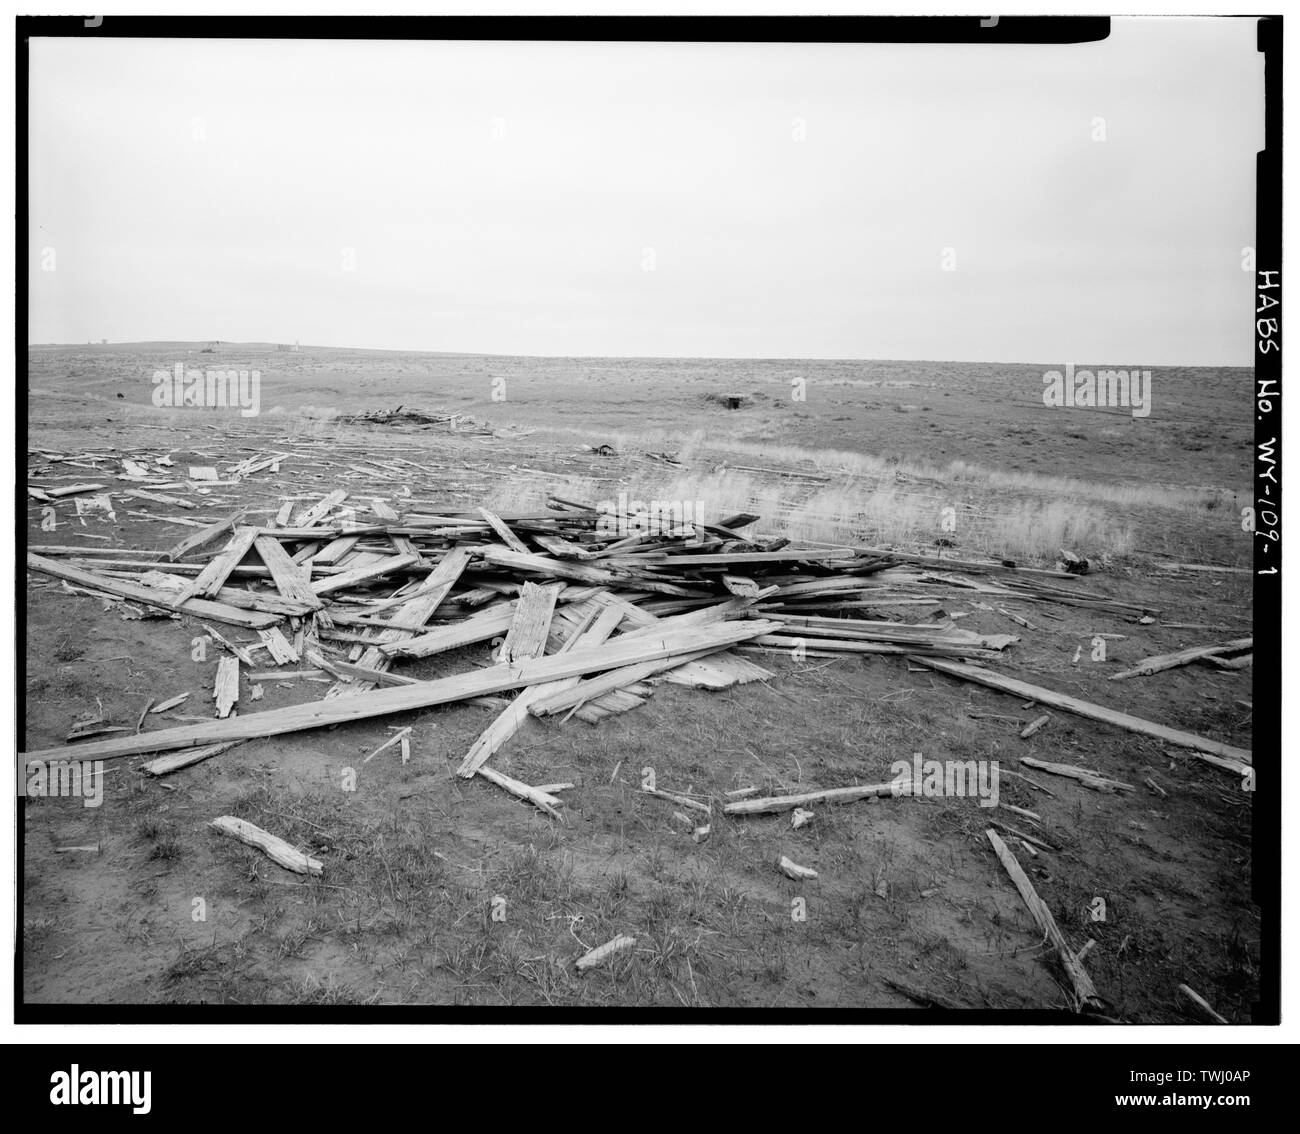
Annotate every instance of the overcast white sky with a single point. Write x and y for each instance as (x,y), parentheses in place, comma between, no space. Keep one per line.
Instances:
(501,198)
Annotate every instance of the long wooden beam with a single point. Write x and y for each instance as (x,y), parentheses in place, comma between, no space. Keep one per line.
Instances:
(403,698)
(1235,759)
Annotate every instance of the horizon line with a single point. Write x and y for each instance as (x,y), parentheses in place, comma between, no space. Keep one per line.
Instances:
(626,357)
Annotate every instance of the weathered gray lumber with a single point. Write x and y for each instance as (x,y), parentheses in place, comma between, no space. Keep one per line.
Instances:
(1148,666)
(1239,757)
(152,596)
(403,698)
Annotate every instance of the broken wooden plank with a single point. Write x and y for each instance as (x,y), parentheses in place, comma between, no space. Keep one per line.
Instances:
(726,559)
(1148,666)
(777,803)
(273,846)
(174,761)
(73,489)
(401,544)
(205,536)
(1199,1005)
(1094,780)
(336,549)
(576,572)
(498,525)
(1084,990)
(512,718)
(526,637)
(218,611)
(480,628)
(423,694)
(1033,726)
(602,953)
(396,738)
(561,548)
(1244,661)
(159,497)
(415,610)
(346,579)
(290,579)
(612,680)
(242,654)
(1237,758)
(282,653)
(794,870)
(226,692)
(680,800)
(539,799)
(213,577)
(312,515)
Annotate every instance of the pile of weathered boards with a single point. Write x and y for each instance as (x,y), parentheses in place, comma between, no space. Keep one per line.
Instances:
(588,611)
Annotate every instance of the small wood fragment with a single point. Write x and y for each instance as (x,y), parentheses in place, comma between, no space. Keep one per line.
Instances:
(239,651)
(396,738)
(273,846)
(538,799)
(603,952)
(170,703)
(795,871)
(680,800)
(1034,726)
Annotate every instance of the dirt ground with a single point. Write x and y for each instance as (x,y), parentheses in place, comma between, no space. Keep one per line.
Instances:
(440,891)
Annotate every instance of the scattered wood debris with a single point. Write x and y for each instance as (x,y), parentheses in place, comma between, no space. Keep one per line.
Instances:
(350,587)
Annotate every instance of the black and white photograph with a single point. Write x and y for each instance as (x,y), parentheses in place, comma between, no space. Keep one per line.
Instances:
(739,519)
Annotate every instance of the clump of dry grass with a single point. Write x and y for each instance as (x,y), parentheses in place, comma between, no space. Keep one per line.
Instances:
(853,512)
(523,493)
(888,500)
